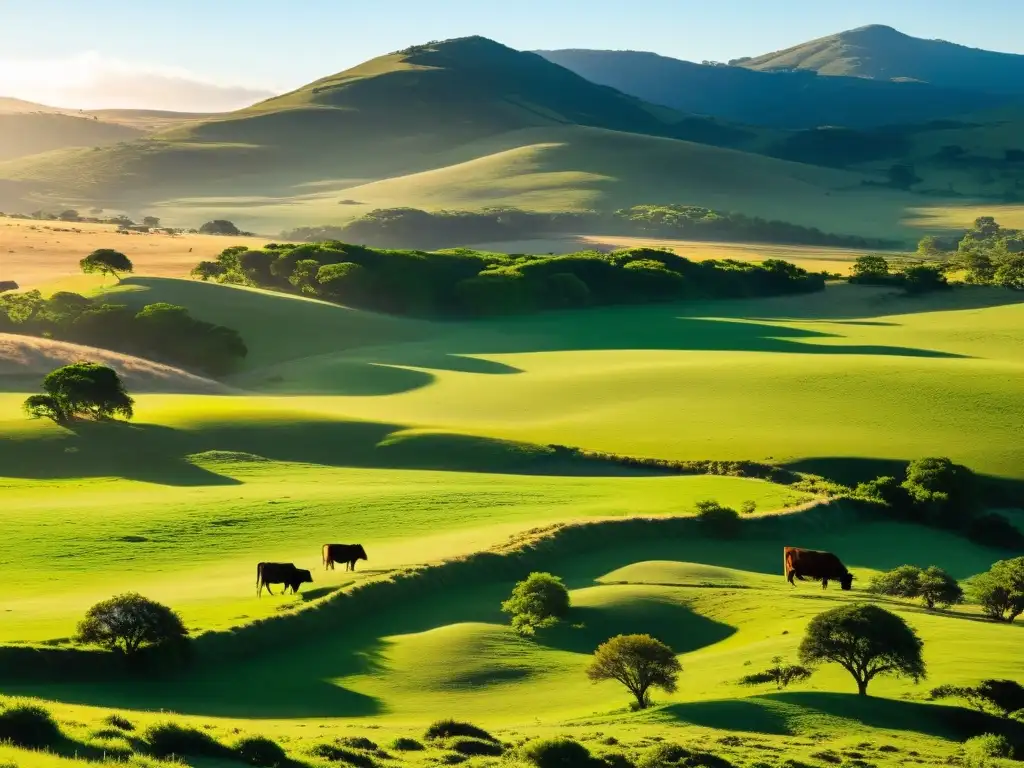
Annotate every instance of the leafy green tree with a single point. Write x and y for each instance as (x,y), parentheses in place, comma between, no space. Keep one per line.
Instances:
(304,274)
(345,281)
(781,674)
(904,581)
(866,641)
(1010,272)
(923,278)
(639,662)
(205,270)
(870,267)
(944,492)
(82,389)
(936,587)
(537,602)
(928,248)
(130,622)
(718,521)
(106,261)
(1000,590)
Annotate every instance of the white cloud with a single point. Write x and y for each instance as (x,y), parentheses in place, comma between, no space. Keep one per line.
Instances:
(93,81)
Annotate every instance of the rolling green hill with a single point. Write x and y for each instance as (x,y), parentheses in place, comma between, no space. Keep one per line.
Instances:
(778,99)
(883,53)
(28,133)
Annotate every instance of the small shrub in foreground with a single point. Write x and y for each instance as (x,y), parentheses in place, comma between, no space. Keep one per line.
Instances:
(26,725)
(261,751)
(337,754)
(119,721)
(980,749)
(675,756)
(446,729)
(358,742)
(560,752)
(405,744)
(473,747)
(167,739)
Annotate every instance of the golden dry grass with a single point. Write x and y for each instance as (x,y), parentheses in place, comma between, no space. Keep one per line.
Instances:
(40,253)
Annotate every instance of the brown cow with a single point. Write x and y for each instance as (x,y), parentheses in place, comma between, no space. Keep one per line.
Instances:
(812,564)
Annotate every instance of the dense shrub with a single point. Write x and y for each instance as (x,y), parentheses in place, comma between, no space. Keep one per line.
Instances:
(780,674)
(447,729)
(559,752)
(405,744)
(675,756)
(170,739)
(979,750)
(537,602)
(130,622)
(932,584)
(28,725)
(119,721)
(260,751)
(338,754)
(718,521)
(358,742)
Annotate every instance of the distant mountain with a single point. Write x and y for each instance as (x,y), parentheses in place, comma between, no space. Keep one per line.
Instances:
(409,111)
(883,53)
(778,99)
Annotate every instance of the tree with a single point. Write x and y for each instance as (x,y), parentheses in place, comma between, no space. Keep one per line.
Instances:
(537,602)
(219,227)
(205,270)
(943,492)
(783,675)
(639,662)
(904,581)
(151,221)
(936,587)
(922,278)
(1000,590)
(866,641)
(1010,272)
(82,389)
(304,274)
(129,622)
(718,521)
(106,261)
(346,281)
(928,247)
(870,267)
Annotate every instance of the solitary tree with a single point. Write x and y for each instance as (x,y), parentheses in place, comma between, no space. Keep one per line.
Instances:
(1000,590)
(129,622)
(870,267)
(106,261)
(219,227)
(779,673)
(537,602)
(151,221)
(639,662)
(866,641)
(81,389)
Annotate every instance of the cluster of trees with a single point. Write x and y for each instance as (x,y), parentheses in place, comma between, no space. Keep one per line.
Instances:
(988,254)
(164,332)
(464,282)
(932,585)
(81,389)
(935,491)
(414,228)
(875,269)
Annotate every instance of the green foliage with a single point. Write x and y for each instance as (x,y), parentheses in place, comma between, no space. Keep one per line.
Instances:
(447,729)
(130,622)
(471,747)
(304,275)
(345,282)
(639,662)
(106,261)
(169,739)
(208,270)
(924,278)
(261,751)
(81,389)
(28,725)
(979,750)
(866,641)
(780,674)
(676,756)
(338,754)
(718,521)
(943,492)
(558,752)
(405,744)
(933,585)
(358,742)
(992,255)
(537,602)
(1005,697)
(120,722)
(1000,590)
(872,269)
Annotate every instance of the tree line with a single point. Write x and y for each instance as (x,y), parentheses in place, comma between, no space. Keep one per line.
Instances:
(160,331)
(414,228)
(469,283)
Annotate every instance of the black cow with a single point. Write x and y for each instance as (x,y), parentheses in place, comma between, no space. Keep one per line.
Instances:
(812,564)
(343,553)
(280,573)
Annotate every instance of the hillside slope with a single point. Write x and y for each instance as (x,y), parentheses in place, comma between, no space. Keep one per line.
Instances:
(777,99)
(386,117)
(883,53)
(28,133)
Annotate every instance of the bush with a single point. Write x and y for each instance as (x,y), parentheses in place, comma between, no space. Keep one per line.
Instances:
(29,726)
(539,601)
(338,754)
(675,756)
(616,760)
(472,747)
(119,721)
(782,675)
(933,585)
(405,744)
(446,729)
(170,739)
(718,521)
(559,752)
(980,749)
(130,622)
(260,751)
(1000,590)
(358,742)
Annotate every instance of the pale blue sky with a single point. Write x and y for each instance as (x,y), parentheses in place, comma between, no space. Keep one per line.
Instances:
(280,44)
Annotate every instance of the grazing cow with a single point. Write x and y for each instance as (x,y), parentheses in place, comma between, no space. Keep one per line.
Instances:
(343,553)
(280,573)
(819,566)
